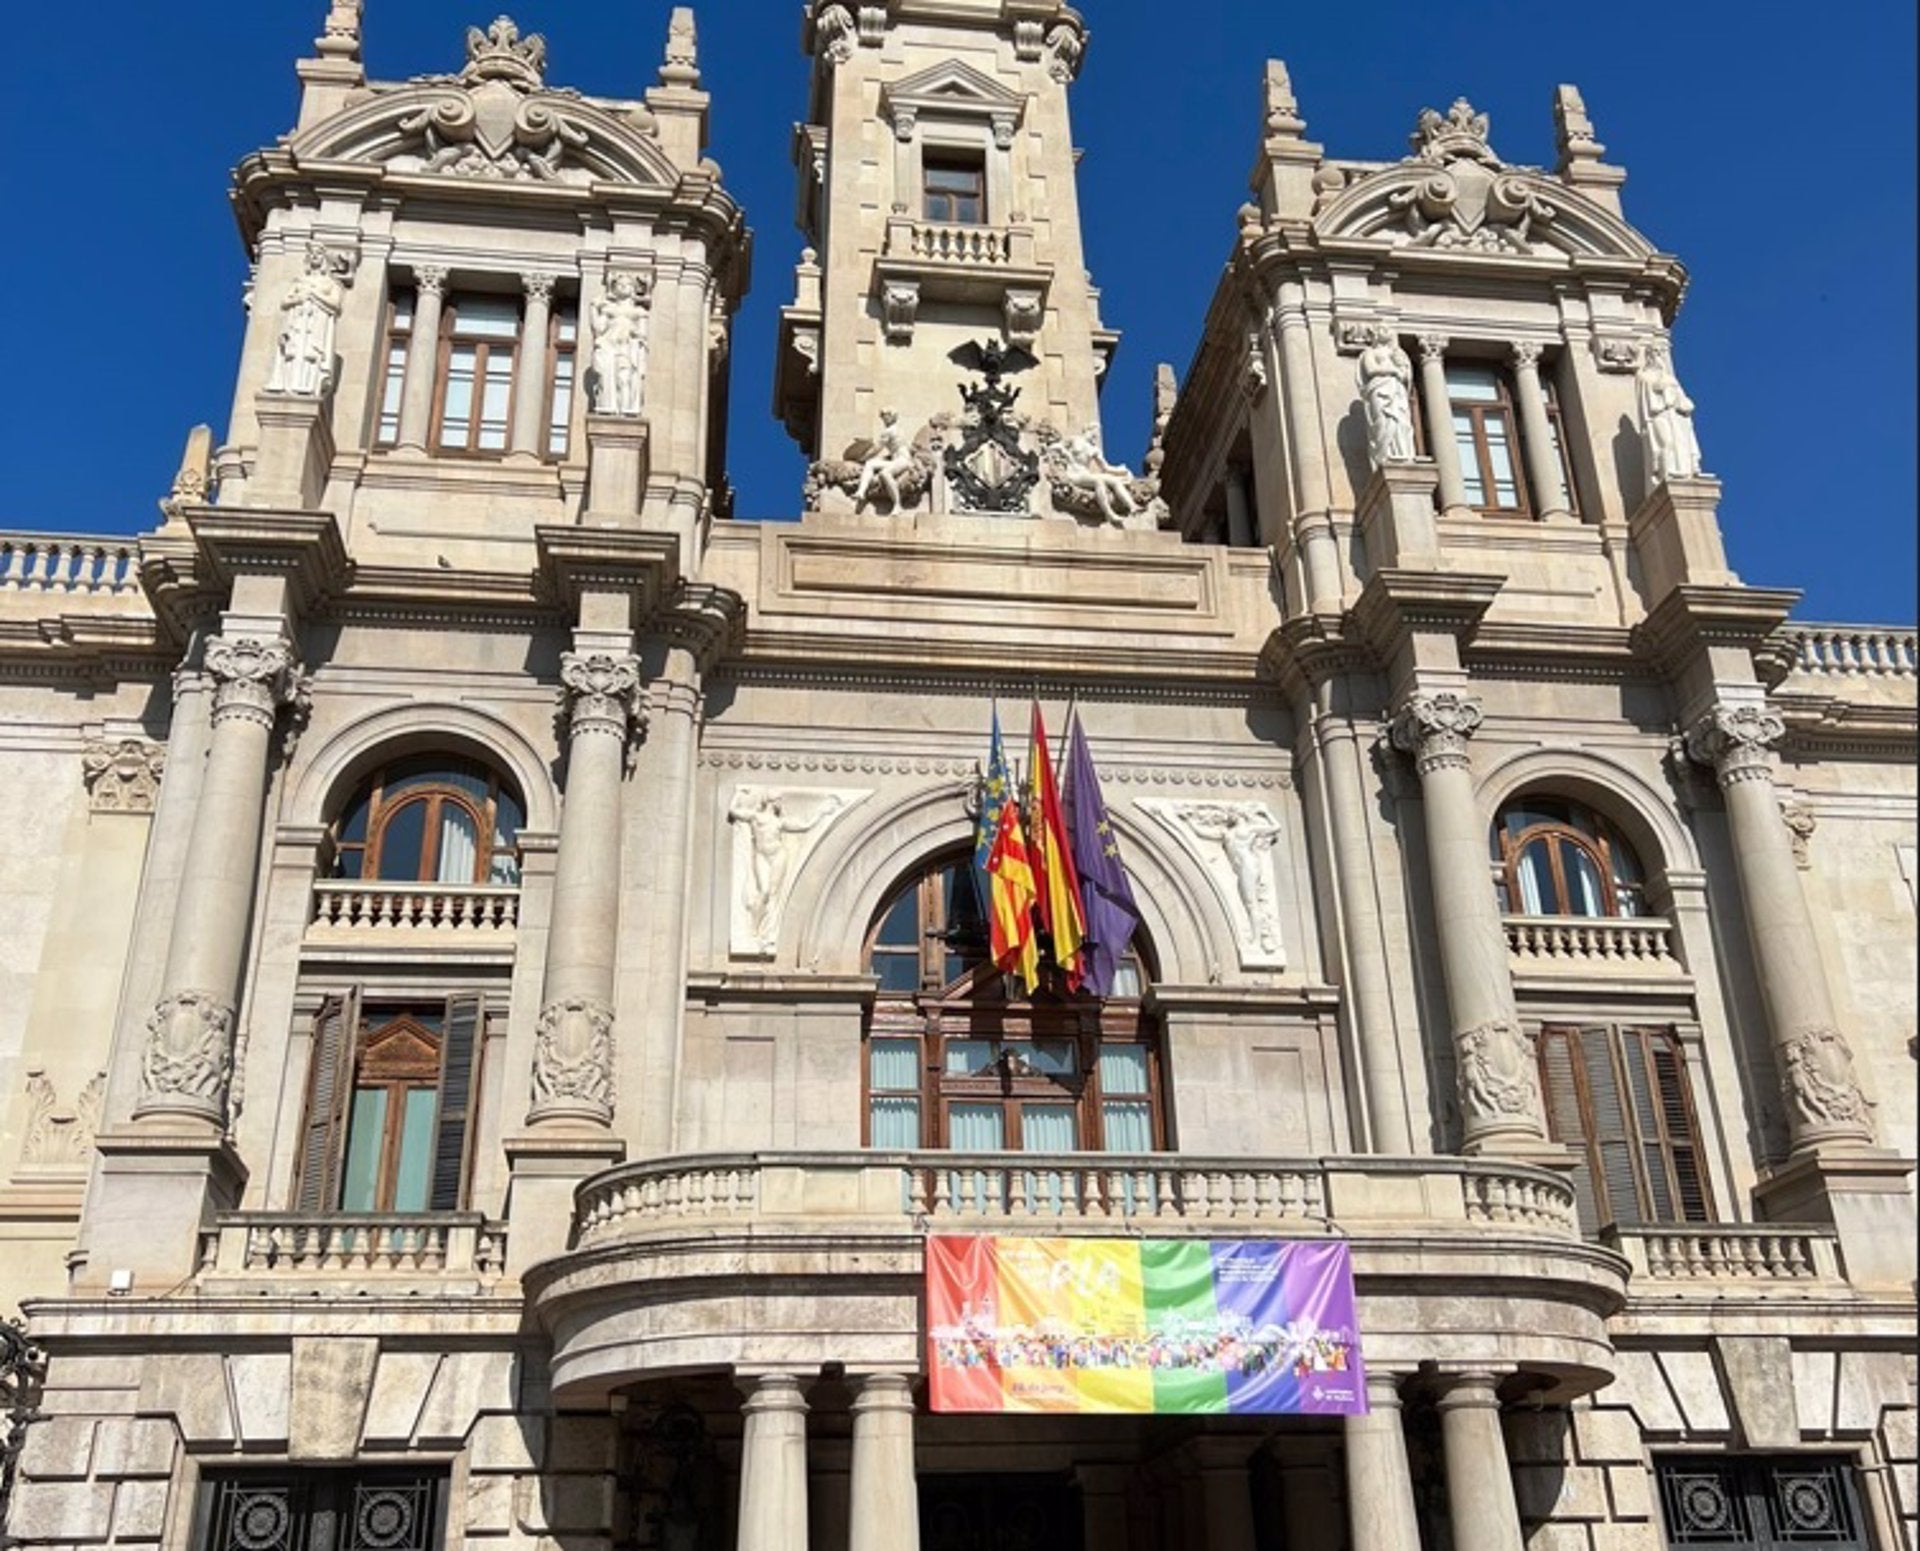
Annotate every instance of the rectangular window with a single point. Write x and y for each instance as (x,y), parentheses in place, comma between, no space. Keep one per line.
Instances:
(475,398)
(1620,1101)
(1486,438)
(1562,452)
(893,1092)
(954,189)
(1732,1502)
(563,345)
(321,1510)
(389,1106)
(394,372)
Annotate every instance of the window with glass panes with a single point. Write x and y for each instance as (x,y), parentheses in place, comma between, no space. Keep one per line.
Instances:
(562,347)
(1554,857)
(1486,436)
(957,1059)
(1562,451)
(953,188)
(430,818)
(393,375)
(1618,1099)
(474,397)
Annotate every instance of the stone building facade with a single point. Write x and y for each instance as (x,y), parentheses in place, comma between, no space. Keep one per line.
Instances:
(492,1003)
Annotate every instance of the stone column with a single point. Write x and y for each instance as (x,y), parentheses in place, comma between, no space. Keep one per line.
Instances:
(1437,404)
(186,1064)
(886,1491)
(527,435)
(1480,1496)
(1499,1093)
(423,357)
(773,1466)
(1379,1481)
(573,1045)
(1823,1102)
(1225,1496)
(1536,436)
(1241,532)
(1312,520)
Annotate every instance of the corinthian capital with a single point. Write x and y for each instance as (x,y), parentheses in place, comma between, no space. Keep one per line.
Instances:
(1434,729)
(1734,740)
(603,690)
(253,677)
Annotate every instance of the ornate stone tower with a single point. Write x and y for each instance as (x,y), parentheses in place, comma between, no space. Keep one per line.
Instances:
(937,200)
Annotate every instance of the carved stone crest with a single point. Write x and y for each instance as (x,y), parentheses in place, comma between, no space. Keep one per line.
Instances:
(1495,1062)
(187,1061)
(1468,200)
(987,468)
(1817,1081)
(123,776)
(573,1061)
(503,124)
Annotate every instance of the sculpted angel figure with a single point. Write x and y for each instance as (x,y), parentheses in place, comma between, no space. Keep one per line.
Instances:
(1086,468)
(620,323)
(771,833)
(303,354)
(885,464)
(1246,835)
(1386,384)
(1673,452)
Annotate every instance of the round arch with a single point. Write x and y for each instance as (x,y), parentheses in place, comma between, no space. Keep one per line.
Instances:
(1639,810)
(417,727)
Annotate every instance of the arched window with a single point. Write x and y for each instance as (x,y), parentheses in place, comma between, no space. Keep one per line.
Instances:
(957,1058)
(431,818)
(1554,857)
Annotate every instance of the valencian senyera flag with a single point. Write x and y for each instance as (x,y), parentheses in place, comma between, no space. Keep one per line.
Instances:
(1227,1327)
(1106,897)
(1054,879)
(1010,900)
(996,787)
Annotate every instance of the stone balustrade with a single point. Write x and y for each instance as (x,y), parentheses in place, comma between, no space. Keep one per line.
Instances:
(415,907)
(1704,1257)
(943,242)
(68,563)
(1591,944)
(275,1245)
(1861,650)
(1073,1193)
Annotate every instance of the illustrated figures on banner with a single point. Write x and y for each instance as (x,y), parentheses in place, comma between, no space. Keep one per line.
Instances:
(303,354)
(621,320)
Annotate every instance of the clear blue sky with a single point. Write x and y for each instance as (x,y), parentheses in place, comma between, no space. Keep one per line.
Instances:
(1771,147)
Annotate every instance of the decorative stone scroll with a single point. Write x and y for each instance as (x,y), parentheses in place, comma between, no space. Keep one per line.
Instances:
(54,1139)
(1234,844)
(1734,741)
(187,1061)
(1434,729)
(775,830)
(573,1062)
(123,776)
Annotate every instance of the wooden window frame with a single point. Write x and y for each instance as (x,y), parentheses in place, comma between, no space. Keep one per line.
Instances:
(972,1007)
(1597,843)
(373,1072)
(1628,1043)
(564,311)
(1562,449)
(1482,448)
(485,347)
(944,159)
(381,811)
(398,333)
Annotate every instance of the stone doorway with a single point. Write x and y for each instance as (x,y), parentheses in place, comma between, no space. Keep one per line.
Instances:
(999,1512)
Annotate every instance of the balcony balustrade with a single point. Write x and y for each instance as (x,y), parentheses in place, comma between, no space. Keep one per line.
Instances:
(469,911)
(1856,650)
(449,1247)
(68,563)
(1591,944)
(1708,1258)
(949,242)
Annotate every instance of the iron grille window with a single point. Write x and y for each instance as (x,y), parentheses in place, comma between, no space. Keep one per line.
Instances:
(322,1510)
(1755,1503)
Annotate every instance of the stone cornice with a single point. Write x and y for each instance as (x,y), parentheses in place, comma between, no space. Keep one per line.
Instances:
(303,547)
(1395,603)
(578,560)
(1691,618)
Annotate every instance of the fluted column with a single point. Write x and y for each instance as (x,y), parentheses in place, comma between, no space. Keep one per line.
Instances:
(1479,1480)
(773,1466)
(1536,436)
(573,1062)
(1437,404)
(1379,1481)
(1499,1093)
(1312,516)
(423,356)
(1823,1102)
(886,1491)
(186,1065)
(526,437)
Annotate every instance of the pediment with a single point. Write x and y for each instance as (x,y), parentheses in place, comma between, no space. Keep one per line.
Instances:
(951,87)
(491,130)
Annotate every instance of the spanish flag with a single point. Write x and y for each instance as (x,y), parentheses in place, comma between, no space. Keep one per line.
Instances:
(1057,881)
(1010,885)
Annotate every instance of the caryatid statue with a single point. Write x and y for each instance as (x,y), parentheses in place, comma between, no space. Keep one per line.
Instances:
(303,354)
(1673,452)
(620,323)
(1386,386)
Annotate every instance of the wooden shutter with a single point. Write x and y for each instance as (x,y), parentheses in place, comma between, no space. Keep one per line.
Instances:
(459,1083)
(336,1027)
(1679,1132)
(1610,1139)
(1566,1116)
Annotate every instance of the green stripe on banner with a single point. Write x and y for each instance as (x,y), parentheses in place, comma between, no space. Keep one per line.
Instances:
(1178,1283)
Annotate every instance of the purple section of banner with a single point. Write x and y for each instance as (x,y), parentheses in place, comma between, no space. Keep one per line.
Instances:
(1295,1304)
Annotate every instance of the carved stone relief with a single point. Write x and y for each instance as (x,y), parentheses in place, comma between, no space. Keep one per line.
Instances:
(1801,824)
(775,830)
(1087,486)
(1469,200)
(123,776)
(501,123)
(1495,1064)
(309,314)
(187,1061)
(622,317)
(57,1139)
(1818,1082)
(573,1061)
(1234,844)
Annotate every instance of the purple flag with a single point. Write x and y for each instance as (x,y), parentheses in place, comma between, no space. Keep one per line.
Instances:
(1106,896)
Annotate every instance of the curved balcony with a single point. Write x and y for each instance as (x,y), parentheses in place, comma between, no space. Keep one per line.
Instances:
(718,1261)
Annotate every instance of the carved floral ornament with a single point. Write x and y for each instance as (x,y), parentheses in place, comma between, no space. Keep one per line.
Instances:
(1816,1078)
(123,776)
(1434,729)
(253,677)
(57,1139)
(573,1061)
(602,691)
(187,1061)
(1734,741)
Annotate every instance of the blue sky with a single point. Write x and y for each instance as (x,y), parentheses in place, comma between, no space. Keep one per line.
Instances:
(1771,147)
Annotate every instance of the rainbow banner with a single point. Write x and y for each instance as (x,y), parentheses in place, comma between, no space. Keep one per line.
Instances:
(1236,1327)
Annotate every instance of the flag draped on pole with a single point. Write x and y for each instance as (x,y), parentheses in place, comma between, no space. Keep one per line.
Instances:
(1055,880)
(1010,900)
(1110,913)
(996,790)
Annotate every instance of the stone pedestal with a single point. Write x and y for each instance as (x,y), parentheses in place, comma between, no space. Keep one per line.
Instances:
(1480,1497)
(1396,515)
(546,1170)
(617,459)
(886,1492)
(1676,537)
(773,1465)
(295,452)
(1864,1193)
(1380,1504)
(156,1190)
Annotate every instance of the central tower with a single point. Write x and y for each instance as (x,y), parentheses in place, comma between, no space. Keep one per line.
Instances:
(938,205)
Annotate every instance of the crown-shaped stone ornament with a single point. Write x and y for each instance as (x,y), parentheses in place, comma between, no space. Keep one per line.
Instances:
(499,53)
(1446,137)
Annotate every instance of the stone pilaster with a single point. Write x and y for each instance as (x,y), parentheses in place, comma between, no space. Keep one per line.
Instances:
(1436,405)
(1379,1480)
(423,352)
(527,436)
(1499,1094)
(1479,1480)
(773,1465)
(886,1494)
